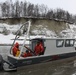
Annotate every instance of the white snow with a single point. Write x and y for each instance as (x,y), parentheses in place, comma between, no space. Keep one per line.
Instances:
(69,32)
(7,39)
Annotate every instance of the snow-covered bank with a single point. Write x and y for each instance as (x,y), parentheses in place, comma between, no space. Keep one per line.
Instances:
(69,32)
(8,39)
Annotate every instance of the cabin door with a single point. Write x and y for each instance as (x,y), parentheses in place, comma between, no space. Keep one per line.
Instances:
(34,43)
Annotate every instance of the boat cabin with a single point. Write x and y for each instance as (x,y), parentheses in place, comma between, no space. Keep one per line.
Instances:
(55,46)
(54,49)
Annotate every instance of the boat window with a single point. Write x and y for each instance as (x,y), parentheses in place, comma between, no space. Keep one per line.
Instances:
(69,42)
(59,42)
(34,44)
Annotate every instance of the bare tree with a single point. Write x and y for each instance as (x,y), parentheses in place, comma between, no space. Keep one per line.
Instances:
(17,9)
(21,9)
(7,9)
(25,8)
(4,9)
(49,14)
(30,9)
(43,10)
(36,10)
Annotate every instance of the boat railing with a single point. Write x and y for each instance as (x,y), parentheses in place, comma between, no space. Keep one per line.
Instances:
(27,34)
(16,37)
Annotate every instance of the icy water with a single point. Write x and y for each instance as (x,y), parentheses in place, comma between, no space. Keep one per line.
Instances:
(58,67)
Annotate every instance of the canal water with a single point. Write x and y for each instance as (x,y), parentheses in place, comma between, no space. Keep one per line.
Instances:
(58,67)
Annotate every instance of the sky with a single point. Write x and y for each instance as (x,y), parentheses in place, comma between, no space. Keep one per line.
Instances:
(67,5)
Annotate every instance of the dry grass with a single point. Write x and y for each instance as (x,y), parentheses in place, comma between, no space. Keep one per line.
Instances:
(55,26)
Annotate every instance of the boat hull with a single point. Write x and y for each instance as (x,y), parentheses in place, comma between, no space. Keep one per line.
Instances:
(18,62)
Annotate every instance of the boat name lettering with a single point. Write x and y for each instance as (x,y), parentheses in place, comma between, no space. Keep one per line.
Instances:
(28,62)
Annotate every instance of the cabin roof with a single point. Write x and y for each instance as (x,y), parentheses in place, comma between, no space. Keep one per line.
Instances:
(47,38)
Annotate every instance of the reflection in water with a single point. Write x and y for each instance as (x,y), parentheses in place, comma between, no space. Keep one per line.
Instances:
(58,67)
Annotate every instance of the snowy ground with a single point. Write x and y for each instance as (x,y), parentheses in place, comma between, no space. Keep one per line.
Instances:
(7,39)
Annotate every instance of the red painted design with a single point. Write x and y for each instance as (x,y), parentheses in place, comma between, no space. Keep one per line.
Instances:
(55,57)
